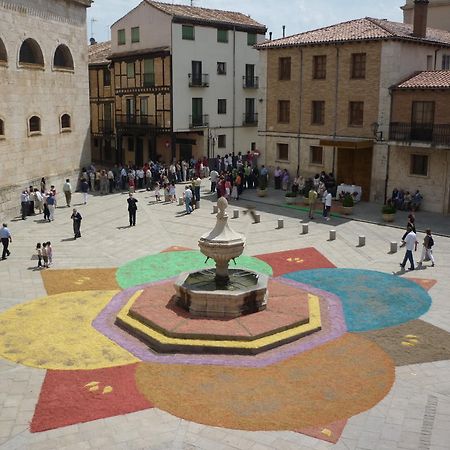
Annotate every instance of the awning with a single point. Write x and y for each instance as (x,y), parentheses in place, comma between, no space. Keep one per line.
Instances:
(356,144)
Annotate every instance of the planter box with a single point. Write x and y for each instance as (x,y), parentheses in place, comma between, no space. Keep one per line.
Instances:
(261,192)
(290,200)
(347,210)
(389,217)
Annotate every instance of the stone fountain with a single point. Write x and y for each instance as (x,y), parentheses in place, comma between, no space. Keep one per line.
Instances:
(222,292)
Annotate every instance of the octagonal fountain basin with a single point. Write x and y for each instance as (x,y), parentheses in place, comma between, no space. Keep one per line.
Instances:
(245,293)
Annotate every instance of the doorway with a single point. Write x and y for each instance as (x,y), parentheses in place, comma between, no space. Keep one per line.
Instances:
(139,158)
(185,152)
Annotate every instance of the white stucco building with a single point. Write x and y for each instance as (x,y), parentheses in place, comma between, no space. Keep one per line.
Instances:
(212,78)
(44,107)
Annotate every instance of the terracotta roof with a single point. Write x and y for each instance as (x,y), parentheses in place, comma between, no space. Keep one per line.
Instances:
(205,15)
(99,53)
(366,29)
(436,79)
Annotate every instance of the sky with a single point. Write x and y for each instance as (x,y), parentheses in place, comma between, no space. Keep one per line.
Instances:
(297,15)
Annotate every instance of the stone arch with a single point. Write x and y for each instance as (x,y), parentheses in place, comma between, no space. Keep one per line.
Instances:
(34,124)
(31,53)
(3,53)
(62,58)
(65,121)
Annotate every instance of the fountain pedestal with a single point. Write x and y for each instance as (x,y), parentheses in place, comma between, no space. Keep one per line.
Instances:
(222,292)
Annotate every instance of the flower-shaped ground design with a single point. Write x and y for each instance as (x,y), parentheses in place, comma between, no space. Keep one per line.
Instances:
(371,300)
(167,265)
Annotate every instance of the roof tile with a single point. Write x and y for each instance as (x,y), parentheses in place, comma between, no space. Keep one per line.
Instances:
(99,52)
(437,79)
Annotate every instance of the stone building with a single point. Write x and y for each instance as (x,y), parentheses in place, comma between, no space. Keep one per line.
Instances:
(44,112)
(328,97)
(438,13)
(185,83)
(419,147)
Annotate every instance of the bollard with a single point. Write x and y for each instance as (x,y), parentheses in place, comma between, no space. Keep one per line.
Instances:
(361,241)
(235,214)
(394,247)
(280,223)
(305,228)
(215,209)
(257,218)
(180,201)
(332,235)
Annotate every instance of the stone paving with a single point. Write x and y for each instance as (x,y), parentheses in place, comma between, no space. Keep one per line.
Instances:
(414,415)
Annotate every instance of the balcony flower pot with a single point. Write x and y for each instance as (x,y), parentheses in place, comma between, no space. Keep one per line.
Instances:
(388,213)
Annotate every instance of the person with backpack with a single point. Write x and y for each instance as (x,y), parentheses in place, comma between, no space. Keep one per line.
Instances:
(427,252)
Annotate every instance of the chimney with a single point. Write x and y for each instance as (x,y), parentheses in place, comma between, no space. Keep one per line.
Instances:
(420,18)
(284,30)
(92,41)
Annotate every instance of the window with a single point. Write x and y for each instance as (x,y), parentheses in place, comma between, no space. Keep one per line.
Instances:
(222,106)
(222,35)
(34,124)
(135,35)
(2,128)
(222,140)
(197,112)
(356,114)
(221,68)
(358,70)
(63,58)
(130,70)
(187,32)
(318,113)
(149,72)
(422,121)
(319,67)
(419,165)
(65,122)
(251,38)
(283,152)
(31,53)
(445,62)
(3,54)
(106,77)
(196,77)
(121,40)
(316,155)
(284,111)
(284,68)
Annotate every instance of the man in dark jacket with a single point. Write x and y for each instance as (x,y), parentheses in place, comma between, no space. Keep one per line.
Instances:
(76,218)
(132,208)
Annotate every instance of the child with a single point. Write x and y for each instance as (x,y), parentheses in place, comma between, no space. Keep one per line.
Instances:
(131,184)
(172,192)
(39,254)
(234,192)
(44,254)
(157,194)
(49,253)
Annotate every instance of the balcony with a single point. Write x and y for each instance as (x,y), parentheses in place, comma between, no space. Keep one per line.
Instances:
(250,82)
(434,134)
(199,80)
(198,121)
(141,122)
(250,120)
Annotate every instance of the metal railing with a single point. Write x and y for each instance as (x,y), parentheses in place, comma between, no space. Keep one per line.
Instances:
(250,119)
(250,82)
(198,80)
(141,120)
(198,121)
(435,134)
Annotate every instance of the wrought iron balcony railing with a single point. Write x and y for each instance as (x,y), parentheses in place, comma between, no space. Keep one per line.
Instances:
(250,82)
(198,121)
(434,134)
(198,80)
(250,119)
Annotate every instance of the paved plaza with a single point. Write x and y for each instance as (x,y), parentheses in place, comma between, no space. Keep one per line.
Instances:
(374,373)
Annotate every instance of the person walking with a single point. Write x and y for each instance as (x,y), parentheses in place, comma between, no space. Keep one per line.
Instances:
(24,198)
(39,254)
(76,218)
(312,197)
(84,186)
(67,189)
(188,199)
(44,254)
(51,204)
(49,253)
(427,246)
(5,236)
(411,245)
(132,208)
(327,205)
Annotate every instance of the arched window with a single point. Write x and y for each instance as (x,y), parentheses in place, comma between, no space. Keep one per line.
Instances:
(3,54)
(34,124)
(66,122)
(2,128)
(63,58)
(31,53)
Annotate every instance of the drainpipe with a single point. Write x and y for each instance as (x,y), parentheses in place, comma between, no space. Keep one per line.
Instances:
(388,158)
(300,93)
(234,90)
(173,144)
(336,98)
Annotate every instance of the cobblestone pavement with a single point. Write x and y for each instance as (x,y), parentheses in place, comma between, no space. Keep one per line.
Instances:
(414,415)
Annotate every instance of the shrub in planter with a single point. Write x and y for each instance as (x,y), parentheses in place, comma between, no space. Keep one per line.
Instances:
(290,197)
(388,209)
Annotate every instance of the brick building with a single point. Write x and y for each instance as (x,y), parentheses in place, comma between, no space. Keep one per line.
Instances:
(329,101)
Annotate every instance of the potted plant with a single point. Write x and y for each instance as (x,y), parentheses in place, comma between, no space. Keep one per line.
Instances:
(261,191)
(290,197)
(388,212)
(347,204)
(305,191)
